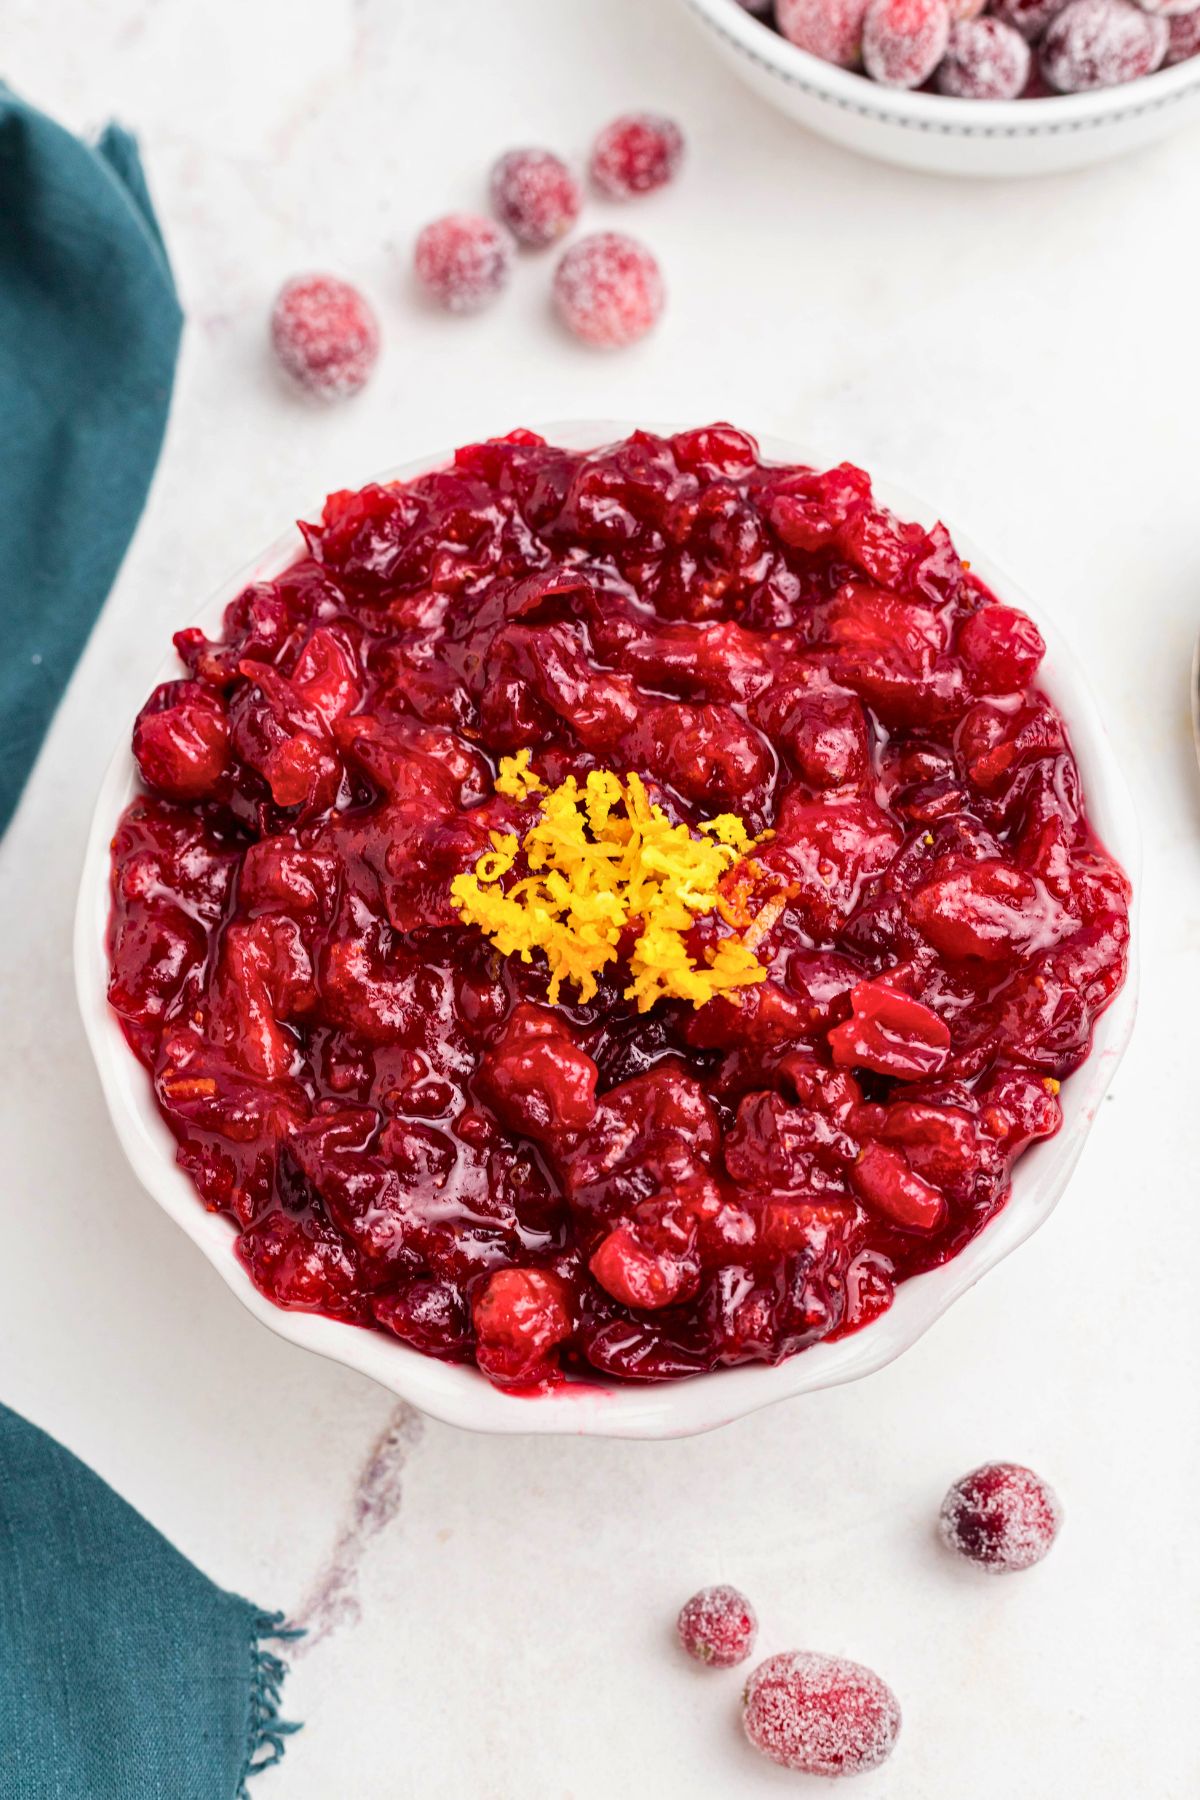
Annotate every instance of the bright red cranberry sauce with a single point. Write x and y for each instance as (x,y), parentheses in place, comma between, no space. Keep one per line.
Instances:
(402,1131)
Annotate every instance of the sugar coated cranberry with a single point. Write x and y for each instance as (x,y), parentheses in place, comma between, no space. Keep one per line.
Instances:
(325,335)
(985,60)
(1101,43)
(820,1715)
(464,261)
(1168,9)
(535,194)
(608,289)
(1029,17)
(718,1626)
(1001,1516)
(1184,40)
(636,154)
(904,40)
(830,29)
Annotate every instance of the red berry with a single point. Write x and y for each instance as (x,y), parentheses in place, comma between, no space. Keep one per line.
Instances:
(1168,9)
(535,194)
(181,740)
(520,1315)
(325,335)
(1001,646)
(608,289)
(1029,17)
(985,60)
(890,1033)
(1184,40)
(820,1715)
(636,154)
(885,1180)
(718,1626)
(830,29)
(1101,43)
(1001,1516)
(904,40)
(464,261)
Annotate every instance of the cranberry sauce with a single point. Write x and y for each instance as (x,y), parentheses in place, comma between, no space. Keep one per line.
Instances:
(403,1132)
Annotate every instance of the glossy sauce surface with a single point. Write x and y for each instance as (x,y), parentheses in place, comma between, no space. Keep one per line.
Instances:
(402,1131)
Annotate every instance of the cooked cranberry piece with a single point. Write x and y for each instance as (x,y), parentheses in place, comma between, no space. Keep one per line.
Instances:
(520,1316)
(402,1129)
(181,740)
(535,194)
(986,60)
(463,261)
(820,1715)
(608,290)
(636,154)
(1101,43)
(886,1181)
(904,40)
(830,29)
(718,1626)
(891,1033)
(1001,1516)
(325,335)
(999,645)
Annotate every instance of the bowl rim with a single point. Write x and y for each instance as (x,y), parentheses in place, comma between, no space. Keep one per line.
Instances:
(942,115)
(457,1393)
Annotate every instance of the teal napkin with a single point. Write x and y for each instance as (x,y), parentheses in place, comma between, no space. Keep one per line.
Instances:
(124,1673)
(89,330)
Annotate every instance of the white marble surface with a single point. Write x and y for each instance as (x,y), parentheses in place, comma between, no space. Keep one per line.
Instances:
(492,1616)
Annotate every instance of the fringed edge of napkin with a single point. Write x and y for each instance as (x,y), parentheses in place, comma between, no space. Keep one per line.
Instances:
(266,1731)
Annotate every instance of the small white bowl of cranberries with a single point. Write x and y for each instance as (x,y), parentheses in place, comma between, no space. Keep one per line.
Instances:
(970,87)
(607,929)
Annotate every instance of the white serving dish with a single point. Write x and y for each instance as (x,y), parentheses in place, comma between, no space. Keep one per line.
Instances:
(459,1394)
(940,135)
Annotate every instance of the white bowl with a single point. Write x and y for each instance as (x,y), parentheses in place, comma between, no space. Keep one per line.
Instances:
(460,1394)
(948,137)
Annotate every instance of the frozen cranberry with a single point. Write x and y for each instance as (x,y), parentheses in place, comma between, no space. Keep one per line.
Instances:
(520,1316)
(1029,17)
(985,60)
(534,193)
(904,40)
(636,154)
(463,261)
(181,740)
(608,289)
(718,1626)
(1184,38)
(325,335)
(830,29)
(1101,43)
(1001,1516)
(820,1715)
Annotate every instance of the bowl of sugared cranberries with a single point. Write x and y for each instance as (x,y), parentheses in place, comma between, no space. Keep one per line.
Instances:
(606,929)
(969,87)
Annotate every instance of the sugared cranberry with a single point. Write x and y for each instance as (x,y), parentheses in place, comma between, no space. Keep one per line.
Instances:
(181,740)
(830,29)
(608,289)
(636,154)
(1101,43)
(325,335)
(1168,9)
(820,1715)
(534,193)
(1184,40)
(718,1626)
(463,261)
(904,40)
(1001,1516)
(1029,17)
(985,60)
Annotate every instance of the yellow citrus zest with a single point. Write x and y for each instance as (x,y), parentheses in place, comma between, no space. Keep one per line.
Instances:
(602,857)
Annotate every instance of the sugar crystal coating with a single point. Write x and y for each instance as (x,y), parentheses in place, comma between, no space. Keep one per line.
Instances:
(1001,1516)
(718,1626)
(830,29)
(636,154)
(325,335)
(904,40)
(820,1715)
(534,193)
(463,261)
(1100,44)
(985,60)
(608,289)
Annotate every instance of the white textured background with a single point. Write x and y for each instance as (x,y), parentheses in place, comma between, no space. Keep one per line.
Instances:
(495,1614)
